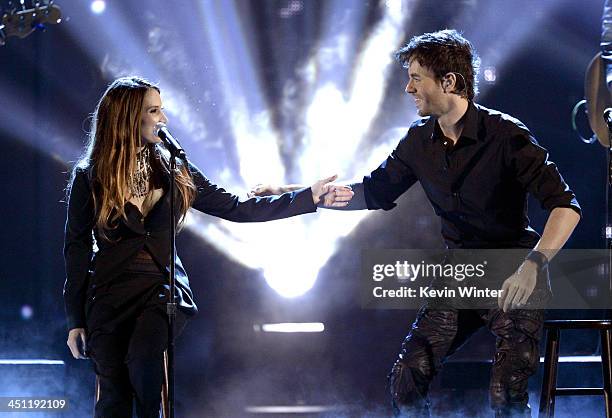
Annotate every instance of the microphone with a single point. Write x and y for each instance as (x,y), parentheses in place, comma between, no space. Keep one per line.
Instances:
(607,115)
(169,141)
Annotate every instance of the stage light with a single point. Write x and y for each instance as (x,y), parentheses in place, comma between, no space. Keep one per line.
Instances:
(490,74)
(394,6)
(98,6)
(577,359)
(27,312)
(346,88)
(31,361)
(291,327)
(290,409)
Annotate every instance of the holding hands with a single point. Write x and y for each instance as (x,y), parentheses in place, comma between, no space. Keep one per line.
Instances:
(330,195)
(324,192)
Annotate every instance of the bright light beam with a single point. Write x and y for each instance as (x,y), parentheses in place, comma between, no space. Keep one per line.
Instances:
(291,252)
(292,327)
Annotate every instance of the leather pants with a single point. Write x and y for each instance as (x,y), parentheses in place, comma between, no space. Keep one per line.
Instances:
(438,333)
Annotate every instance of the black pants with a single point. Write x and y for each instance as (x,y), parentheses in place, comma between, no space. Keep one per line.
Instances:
(127,329)
(438,333)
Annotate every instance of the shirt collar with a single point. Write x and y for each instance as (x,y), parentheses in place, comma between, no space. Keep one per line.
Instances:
(470,124)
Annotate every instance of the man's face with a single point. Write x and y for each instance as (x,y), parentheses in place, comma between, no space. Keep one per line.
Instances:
(151,114)
(426,90)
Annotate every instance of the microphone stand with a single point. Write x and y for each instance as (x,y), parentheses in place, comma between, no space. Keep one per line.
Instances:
(171,304)
(608,232)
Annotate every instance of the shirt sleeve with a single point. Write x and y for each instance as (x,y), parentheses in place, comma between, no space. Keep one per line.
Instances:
(392,178)
(78,247)
(537,174)
(216,201)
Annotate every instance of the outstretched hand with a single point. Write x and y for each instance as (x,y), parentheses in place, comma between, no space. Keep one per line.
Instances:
(329,195)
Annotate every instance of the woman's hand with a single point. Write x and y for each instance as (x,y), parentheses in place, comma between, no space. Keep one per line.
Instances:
(76,337)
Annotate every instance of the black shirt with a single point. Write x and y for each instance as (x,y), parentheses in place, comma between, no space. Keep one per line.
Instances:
(87,273)
(478,186)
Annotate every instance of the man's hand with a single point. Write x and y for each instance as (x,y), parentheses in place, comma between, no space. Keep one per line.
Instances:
(74,336)
(518,287)
(329,195)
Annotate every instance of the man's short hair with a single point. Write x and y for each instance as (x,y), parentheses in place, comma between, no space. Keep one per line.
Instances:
(444,52)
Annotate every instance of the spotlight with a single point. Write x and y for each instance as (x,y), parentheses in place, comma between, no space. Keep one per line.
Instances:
(490,74)
(291,327)
(98,6)
(26,312)
(394,7)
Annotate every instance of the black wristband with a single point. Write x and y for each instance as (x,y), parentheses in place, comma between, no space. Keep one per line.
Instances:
(539,258)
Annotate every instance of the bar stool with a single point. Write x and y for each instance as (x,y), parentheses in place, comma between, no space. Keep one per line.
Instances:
(164,391)
(551,362)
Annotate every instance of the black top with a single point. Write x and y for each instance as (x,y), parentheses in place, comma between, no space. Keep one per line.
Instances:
(151,232)
(478,186)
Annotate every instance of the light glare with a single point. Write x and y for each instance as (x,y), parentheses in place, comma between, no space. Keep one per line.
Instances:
(294,327)
(490,74)
(98,6)
(27,312)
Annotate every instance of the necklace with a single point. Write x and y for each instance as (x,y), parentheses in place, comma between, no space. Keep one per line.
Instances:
(139,180)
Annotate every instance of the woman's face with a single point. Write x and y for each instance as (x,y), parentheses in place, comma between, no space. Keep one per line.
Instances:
(152,114)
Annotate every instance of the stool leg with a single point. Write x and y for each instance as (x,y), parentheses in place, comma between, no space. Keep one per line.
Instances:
(549,380)
(606,359)
(164,394)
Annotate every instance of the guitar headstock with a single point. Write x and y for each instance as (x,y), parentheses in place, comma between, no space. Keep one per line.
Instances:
(20,21)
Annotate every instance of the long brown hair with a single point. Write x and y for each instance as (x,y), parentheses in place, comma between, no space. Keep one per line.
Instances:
(113,142)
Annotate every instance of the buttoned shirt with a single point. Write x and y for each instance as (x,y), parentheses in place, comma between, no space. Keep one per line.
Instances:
(479,185)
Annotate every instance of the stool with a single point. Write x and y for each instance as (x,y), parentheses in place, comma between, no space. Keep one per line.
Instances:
(551,361)
(165,413)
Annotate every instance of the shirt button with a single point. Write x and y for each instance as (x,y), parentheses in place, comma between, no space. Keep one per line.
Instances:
(141,220)
(147,234)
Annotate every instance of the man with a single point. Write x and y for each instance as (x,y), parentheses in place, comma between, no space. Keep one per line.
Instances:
(476,166)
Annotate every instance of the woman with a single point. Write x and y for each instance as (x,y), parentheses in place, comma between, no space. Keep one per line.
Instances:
(118,195)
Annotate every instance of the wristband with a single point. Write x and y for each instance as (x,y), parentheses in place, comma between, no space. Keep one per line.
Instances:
(539,258)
